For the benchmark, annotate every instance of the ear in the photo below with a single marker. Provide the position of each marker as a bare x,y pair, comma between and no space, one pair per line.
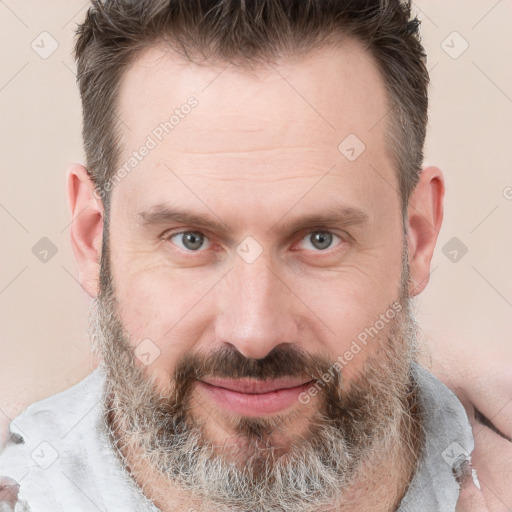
86,226
425,216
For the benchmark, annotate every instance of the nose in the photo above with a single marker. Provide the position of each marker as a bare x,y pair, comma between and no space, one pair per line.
255,309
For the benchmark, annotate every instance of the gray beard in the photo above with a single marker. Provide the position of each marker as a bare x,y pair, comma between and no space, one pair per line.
357,425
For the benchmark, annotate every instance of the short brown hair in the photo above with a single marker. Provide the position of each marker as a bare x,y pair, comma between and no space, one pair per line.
250,31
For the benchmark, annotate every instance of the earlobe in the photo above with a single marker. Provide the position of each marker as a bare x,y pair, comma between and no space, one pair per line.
86,228
425,216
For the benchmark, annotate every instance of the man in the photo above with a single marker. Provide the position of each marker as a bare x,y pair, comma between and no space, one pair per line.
253,223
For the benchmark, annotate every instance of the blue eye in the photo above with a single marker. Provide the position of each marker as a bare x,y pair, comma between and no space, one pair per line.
190,240
320,240
195,241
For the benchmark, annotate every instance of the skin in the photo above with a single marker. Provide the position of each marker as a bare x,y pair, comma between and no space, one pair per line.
480,374
252,154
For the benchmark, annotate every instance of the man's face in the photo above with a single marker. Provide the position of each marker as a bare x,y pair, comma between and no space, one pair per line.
247,249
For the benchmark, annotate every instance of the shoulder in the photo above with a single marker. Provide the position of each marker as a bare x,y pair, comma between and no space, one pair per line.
53,416
62,458
447,446
51,437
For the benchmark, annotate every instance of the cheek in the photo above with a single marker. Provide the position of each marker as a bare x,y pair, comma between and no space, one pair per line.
164,311
354,311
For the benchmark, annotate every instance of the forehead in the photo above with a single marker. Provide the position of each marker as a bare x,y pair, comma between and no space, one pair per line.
291,120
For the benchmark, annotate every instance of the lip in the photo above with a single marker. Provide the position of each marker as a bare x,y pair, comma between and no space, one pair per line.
252,397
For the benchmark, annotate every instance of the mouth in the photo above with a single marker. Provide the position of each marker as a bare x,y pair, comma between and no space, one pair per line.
249,397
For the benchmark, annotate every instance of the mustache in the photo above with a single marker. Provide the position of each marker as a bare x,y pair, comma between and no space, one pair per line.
282,361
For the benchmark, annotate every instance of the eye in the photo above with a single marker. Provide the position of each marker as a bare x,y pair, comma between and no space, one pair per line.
319,240
189,240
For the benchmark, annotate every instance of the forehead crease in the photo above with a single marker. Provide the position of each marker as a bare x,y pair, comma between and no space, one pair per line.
150,83
254,141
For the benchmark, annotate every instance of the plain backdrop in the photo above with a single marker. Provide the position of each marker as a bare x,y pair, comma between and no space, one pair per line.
44,311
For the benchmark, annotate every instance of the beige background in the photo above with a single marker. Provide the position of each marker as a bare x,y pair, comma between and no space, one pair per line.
44,345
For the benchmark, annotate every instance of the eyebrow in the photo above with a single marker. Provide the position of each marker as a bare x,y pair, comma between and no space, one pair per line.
161,214
338,215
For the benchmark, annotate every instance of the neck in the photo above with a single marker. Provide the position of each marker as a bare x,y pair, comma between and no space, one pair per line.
379,484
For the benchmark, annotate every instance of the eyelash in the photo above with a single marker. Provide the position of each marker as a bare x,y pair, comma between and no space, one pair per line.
330,250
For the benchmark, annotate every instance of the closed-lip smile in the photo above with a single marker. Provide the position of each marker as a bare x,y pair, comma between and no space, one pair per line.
252,397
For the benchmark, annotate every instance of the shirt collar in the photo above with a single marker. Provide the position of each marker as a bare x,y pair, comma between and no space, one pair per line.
448,445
